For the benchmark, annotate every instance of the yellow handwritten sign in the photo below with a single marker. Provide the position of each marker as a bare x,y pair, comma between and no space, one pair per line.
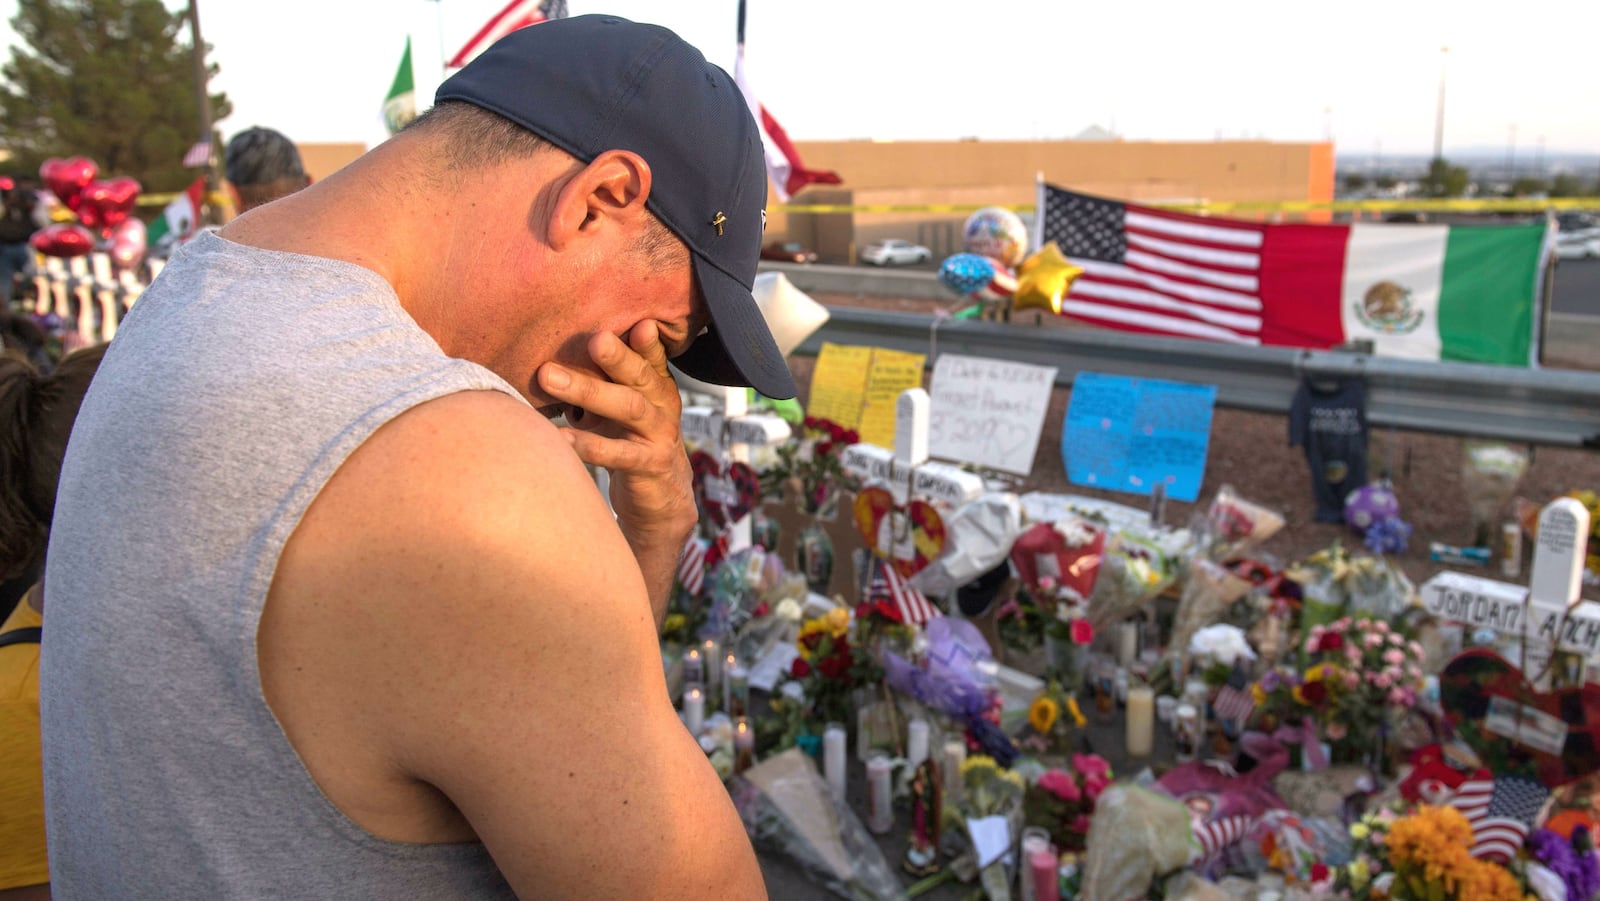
857,387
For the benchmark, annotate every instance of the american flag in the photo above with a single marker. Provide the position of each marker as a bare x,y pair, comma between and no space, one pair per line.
887,584
1233,704
1154,271
1501,825
1215,835
199,156
692,566
517,14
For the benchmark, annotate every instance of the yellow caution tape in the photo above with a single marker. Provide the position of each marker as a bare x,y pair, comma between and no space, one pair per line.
1458,205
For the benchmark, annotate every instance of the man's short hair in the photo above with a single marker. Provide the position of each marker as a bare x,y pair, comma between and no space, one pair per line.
264,165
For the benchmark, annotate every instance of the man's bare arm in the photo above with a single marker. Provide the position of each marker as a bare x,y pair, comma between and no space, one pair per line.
496,646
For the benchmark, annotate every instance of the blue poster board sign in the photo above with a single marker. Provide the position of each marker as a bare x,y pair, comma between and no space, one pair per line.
1127,434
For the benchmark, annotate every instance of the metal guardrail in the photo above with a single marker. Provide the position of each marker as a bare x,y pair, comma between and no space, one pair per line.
1534,406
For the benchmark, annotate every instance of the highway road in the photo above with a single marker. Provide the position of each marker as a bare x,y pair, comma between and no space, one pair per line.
1577,288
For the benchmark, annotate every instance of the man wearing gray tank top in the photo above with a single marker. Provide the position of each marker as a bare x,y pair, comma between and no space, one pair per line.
335,610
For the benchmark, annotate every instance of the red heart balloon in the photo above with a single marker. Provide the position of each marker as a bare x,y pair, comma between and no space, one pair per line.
67,178
64,239
106,204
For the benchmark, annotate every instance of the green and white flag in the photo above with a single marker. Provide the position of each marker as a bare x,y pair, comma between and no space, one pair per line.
181,219
401,106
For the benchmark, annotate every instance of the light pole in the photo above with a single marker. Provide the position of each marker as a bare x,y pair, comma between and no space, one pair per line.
1438,122
1511,156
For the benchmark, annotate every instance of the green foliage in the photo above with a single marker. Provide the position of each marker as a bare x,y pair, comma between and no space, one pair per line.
1528,186
1566,185
104,79
1355,182
1445,180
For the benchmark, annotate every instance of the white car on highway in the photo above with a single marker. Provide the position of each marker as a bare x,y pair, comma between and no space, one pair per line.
895,252
1578,236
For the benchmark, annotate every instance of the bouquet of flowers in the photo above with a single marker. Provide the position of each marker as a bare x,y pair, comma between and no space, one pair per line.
1369,670
1051,718
814,463
1334,583
1062,800
827,672
988,792
1421,857
1231,526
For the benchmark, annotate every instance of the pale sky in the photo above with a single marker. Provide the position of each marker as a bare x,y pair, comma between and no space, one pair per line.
1366,71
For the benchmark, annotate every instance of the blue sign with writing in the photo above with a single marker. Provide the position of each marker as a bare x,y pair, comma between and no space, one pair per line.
1128,434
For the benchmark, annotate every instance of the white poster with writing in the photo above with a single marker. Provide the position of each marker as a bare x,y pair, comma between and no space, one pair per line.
988,412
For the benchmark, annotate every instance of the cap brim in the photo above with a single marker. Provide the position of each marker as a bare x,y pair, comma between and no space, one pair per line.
738,348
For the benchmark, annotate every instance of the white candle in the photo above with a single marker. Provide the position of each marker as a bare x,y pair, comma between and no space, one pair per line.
730,662
1141,715
744,746
880,815
833,751
955,754
694,709
863,732
694,670
916,742
1127,643
712,655
737,694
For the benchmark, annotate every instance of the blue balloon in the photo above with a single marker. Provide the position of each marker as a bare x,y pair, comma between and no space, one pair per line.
966,273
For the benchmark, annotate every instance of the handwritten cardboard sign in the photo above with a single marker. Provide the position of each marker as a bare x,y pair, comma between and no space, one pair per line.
988,412
857,387
1128,434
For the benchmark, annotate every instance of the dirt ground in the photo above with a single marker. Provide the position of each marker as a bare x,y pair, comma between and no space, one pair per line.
1250,451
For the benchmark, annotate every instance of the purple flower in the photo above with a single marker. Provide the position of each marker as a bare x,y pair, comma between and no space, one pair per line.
1580,871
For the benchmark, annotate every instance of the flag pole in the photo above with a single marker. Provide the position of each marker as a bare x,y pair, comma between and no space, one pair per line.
203,96
1038,209
444,61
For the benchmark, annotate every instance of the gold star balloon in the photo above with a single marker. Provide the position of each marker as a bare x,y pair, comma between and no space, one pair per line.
1043,280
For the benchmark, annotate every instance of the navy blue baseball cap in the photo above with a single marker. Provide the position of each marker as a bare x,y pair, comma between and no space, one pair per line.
589,84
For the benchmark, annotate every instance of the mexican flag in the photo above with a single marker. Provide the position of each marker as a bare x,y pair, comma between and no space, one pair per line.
1468,293
181,219
401,105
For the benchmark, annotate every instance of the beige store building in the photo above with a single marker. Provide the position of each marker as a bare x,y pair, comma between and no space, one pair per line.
969,173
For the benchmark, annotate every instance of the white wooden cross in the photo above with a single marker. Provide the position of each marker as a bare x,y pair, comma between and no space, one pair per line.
728,431
1546,615
906,468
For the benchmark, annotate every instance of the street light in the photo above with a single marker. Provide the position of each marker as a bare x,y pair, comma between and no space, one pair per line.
1438,123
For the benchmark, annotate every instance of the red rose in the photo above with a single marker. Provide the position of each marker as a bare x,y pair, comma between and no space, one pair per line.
799,668
811,641
824,448
835,431
1315,693
851,436
1319,872
762,609
863,610
1332,641
811,422
834,666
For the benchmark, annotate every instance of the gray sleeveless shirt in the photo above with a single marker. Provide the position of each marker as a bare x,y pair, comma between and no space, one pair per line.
236,386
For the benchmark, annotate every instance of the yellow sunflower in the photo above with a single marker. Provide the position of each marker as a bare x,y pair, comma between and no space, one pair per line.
1042,714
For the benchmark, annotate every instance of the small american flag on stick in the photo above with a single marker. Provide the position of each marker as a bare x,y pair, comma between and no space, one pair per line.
888,585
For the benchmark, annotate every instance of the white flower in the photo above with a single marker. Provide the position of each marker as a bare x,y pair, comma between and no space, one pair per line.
788,609
1223,643
1545,883
1076,532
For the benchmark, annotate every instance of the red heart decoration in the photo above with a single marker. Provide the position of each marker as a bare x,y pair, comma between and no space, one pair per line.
63,239
923,536
1479,683
106,204
1043,551
727,495
67,178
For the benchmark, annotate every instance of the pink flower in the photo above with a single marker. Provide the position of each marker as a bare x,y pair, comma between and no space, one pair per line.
1413,672
1415,649
1395,638
1061,785
1093,786
1381,626
1373,641
1082,631
1087,765
1352,680
1352,654
1382,680
1336,731
1397,697
1394,657
1080,825
1339,625
1046,583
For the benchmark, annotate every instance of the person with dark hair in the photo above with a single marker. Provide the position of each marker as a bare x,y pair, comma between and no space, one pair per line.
347,616
263,165
36,414
18,199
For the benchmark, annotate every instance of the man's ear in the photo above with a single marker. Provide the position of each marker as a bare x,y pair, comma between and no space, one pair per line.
607,193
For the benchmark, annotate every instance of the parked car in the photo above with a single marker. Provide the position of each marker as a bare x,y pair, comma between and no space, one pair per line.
1578,237
895,252
788,252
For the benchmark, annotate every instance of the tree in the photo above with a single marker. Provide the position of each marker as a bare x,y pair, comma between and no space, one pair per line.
1528,186
1445,180
104,79
1355,182
1566,185
1385,182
